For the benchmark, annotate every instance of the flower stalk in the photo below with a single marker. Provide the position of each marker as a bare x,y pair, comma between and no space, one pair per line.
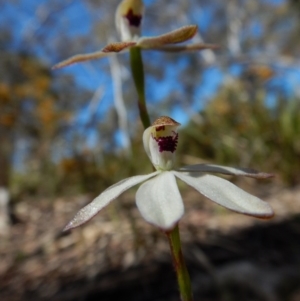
183,278
137,70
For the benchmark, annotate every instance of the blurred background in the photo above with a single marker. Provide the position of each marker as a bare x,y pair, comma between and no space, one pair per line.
66,135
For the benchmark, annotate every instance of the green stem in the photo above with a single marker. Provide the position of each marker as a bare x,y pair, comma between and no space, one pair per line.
182,273
137,69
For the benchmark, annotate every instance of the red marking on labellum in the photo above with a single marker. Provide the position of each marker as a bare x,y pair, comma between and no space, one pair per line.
160,128
134,20
168,143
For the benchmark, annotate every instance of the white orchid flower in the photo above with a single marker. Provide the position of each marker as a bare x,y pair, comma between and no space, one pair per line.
128,21
159,200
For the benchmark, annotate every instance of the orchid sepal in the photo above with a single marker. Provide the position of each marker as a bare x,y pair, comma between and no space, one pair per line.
176,36
227,194
108,50
108,195
235,171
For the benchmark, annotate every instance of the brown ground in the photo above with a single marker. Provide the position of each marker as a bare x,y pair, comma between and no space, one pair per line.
118,256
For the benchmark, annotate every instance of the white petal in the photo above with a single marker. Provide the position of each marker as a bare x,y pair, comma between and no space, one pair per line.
228,195
89,211
226,170
160,202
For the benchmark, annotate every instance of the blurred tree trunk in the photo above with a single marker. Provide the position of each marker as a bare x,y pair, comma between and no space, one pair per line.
6,150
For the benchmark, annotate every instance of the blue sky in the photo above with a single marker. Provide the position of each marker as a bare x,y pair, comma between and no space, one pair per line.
75,21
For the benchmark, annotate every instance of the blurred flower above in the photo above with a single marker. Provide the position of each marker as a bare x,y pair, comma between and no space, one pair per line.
128,19
159,200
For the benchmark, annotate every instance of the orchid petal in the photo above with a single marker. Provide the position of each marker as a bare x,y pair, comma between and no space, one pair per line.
176,36
184,48
227,195
247,172
159,201
106,51
89,211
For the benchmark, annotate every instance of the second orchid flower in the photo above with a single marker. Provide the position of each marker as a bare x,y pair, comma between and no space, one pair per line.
128,20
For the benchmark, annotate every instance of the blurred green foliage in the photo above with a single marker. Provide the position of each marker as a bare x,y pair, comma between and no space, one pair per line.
232,130
83,172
